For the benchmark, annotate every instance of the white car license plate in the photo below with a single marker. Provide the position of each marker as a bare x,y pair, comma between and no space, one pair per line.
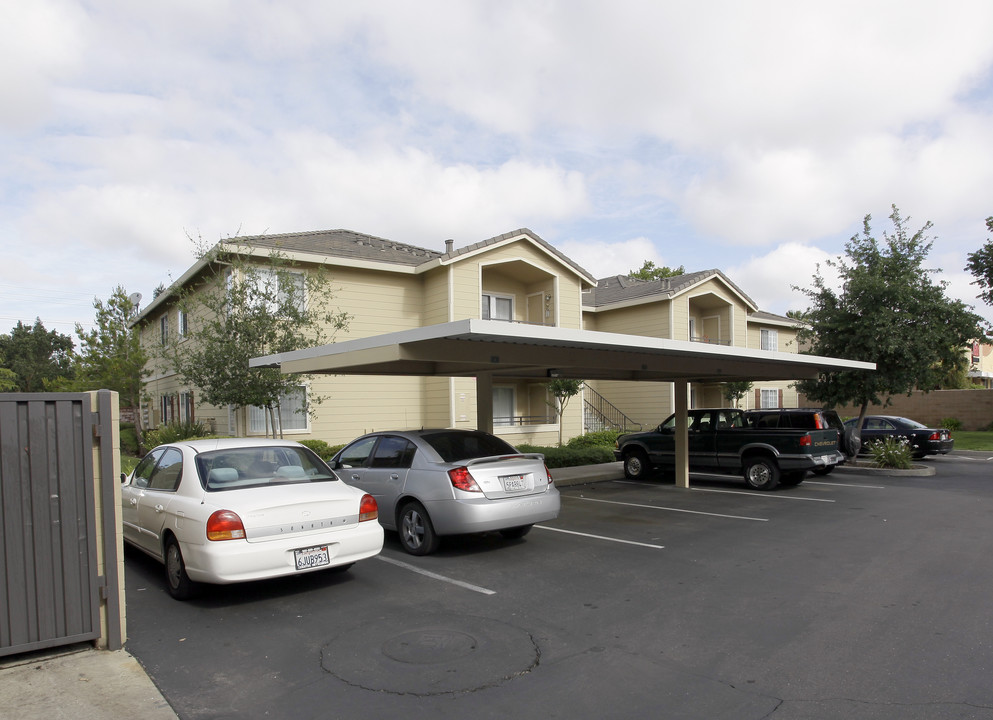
514,482
308,558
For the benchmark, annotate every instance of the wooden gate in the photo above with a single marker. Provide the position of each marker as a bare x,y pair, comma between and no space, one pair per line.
51,585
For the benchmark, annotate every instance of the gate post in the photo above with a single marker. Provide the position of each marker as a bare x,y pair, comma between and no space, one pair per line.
107,491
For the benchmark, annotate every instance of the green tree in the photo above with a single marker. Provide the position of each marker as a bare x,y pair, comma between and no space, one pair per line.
649,271
981,266
248,308
562,390
889,311
111,355
736,390
39,358
8,380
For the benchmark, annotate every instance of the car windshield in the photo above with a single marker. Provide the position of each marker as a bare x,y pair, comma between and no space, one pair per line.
454,446
236,468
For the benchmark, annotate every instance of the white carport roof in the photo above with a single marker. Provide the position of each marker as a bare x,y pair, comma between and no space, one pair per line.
490,349
467,348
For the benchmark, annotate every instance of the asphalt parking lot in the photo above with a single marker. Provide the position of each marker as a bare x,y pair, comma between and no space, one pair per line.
850,596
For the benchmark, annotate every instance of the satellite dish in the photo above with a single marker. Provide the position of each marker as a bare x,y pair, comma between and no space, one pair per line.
134,298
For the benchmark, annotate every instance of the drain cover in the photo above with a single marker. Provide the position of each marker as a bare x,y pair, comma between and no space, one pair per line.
430,655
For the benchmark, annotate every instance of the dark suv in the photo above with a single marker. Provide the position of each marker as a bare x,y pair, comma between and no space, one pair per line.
808,419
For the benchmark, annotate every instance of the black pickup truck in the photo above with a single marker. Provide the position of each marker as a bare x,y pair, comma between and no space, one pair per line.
722,440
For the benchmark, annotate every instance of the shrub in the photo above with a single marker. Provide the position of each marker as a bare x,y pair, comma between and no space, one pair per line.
129,439
891,452
604,438
174,432
325,451
950,423
557,457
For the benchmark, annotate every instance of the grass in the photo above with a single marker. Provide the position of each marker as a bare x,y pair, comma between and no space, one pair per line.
973,439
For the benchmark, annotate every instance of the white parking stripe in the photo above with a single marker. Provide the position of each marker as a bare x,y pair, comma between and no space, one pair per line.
838,484
669,509
436,576
601,537
763,496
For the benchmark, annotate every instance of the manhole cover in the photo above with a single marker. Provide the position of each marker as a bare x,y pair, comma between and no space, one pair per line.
430,655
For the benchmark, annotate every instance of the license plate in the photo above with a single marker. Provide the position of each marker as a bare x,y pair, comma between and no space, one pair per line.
514,482
308,558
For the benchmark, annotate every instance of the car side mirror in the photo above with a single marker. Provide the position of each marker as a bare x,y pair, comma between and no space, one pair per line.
124,478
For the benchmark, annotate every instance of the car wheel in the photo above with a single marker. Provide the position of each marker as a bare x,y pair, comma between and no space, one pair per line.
636,465
827,470
515,533
761,473
178,583
416,531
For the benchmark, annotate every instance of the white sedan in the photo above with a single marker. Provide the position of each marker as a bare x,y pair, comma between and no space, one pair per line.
235,509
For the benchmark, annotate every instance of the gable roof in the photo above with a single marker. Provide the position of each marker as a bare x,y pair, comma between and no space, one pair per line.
625,289
343,244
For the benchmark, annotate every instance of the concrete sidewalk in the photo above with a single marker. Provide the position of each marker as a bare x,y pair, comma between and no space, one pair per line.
76,682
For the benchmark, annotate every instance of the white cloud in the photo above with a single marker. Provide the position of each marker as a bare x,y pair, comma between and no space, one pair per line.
769,279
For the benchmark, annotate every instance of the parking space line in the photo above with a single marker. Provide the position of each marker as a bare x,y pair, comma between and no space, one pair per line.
669,509
436,576
838,484
601,537
763,496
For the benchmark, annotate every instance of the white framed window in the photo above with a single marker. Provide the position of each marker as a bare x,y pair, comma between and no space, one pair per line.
291,414
287,284
769,397
770,339
182,323
164,329
497,307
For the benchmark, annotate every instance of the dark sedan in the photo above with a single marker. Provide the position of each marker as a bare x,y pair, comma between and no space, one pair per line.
923,440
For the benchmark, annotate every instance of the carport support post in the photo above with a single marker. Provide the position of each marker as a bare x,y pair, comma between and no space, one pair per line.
484,402
682,468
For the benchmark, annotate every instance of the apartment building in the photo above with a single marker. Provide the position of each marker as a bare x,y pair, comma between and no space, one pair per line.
517,277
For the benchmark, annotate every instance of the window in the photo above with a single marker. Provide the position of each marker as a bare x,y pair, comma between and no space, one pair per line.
289,286
167,408
168,471
769,397
357,454
182,324
393,452
770,339
291,413
503,406
164,329
497,307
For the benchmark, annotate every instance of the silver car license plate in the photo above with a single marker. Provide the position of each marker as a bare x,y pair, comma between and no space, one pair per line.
307,558
514,482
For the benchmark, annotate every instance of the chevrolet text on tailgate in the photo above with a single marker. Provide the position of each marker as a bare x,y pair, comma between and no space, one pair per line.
722,440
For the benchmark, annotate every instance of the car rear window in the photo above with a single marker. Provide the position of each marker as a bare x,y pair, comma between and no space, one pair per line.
237,468
452,446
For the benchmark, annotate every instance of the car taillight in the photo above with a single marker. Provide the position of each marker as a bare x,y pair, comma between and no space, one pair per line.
462,480
806,441
549,475
225,525
368,508
935,436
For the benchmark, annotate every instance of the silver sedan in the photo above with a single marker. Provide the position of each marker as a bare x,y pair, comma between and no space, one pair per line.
430,483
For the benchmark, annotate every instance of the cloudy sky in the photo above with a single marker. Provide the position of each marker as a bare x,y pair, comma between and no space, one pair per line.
747,136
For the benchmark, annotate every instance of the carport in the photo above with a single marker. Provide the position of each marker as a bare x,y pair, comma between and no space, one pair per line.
494,349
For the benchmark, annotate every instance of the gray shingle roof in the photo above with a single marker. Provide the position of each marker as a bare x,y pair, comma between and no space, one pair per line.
350,244
344,244
621,288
